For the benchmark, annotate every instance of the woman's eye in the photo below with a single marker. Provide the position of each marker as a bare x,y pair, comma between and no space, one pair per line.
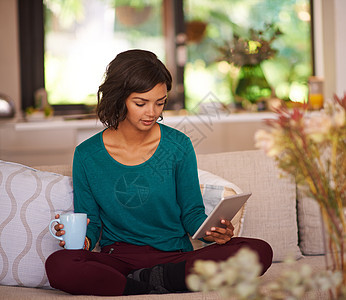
161,103
140,104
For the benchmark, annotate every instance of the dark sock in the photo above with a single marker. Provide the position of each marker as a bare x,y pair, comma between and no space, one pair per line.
170,276
134,287
174,276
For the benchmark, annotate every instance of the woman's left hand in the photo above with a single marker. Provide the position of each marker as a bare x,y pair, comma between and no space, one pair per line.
220,235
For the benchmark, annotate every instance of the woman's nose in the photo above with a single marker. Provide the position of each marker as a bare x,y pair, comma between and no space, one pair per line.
150,110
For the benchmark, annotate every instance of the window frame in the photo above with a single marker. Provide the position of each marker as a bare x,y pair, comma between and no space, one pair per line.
31,41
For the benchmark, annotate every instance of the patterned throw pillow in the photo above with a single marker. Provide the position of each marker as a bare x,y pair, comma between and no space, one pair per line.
213,189
212,194
29,199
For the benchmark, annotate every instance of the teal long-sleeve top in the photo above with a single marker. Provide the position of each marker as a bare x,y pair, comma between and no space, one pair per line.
156,203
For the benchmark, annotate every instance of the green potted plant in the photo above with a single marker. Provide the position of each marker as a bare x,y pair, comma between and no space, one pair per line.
247,53
41,110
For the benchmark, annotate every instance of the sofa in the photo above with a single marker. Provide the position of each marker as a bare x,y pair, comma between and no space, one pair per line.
276,212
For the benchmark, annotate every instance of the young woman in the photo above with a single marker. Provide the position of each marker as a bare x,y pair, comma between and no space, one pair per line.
137,181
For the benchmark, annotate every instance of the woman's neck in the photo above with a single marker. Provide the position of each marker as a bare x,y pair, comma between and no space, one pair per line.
129,136
131,147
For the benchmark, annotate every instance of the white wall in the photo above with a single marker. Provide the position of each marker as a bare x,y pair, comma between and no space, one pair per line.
330,45
53,142
9,51
340,46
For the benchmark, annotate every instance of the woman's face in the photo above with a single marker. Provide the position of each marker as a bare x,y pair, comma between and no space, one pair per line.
143,109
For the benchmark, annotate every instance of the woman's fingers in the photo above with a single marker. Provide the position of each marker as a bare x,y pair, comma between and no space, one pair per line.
228,224
59,232
222,235
219,238
58,227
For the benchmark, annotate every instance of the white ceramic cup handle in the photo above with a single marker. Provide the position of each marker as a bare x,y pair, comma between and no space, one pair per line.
51,232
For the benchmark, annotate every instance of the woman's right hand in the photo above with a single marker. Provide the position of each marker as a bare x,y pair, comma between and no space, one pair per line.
59,232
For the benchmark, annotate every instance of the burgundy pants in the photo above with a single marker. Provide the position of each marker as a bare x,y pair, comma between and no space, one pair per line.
91,273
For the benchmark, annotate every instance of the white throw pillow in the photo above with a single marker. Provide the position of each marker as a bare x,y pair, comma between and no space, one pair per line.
213,189
29,199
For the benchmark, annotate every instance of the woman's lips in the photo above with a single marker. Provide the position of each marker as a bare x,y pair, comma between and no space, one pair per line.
147,122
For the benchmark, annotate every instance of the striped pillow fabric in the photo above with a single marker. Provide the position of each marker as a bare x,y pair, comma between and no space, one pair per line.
29,199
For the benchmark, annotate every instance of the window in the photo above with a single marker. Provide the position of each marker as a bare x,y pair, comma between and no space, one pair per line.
287,72
82,36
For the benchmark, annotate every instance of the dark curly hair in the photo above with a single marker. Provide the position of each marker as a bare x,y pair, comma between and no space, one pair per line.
132,71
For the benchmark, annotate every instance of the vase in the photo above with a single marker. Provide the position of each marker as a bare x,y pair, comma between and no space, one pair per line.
195,31
252,84
335,244
133,16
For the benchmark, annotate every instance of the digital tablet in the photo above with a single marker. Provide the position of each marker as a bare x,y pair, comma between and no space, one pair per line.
226,209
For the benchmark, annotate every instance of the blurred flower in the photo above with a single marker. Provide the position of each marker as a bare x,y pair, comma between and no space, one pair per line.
194,282
317,126
267,142
209,267
311,148
230,279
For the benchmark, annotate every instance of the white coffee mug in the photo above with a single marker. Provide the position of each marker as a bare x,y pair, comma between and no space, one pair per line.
75,226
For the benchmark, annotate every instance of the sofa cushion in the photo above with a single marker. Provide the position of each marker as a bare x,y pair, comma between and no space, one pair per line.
29,199
271,212
310,226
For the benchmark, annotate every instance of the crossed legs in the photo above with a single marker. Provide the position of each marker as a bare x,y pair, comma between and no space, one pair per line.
105,274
